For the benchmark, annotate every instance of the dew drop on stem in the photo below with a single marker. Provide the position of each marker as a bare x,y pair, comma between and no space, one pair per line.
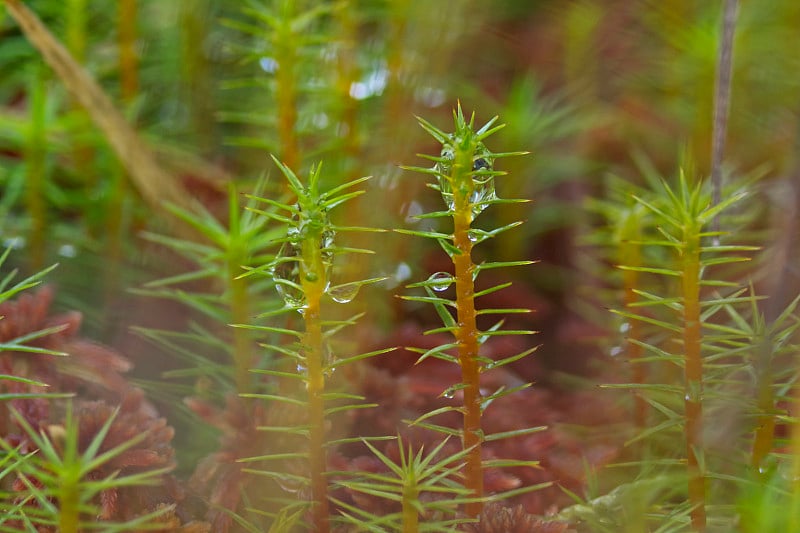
440,281
289,485
344,294
286,275
329,361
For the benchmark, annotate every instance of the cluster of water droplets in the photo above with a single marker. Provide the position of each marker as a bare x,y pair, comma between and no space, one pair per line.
482,185
288,263
618,349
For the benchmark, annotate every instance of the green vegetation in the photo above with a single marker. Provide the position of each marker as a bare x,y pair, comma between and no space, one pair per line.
323,341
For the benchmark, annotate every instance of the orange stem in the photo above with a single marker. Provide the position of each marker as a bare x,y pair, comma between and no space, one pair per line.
467,332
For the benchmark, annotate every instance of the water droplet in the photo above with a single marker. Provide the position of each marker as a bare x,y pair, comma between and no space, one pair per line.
615,351
372,85
414,209
402,272
327,242
301,368
481,164
624,327
268,64
320,121
289,485
15,243
67,250
449,394
473,236
482,193
344,294
440,281
286,275
430,96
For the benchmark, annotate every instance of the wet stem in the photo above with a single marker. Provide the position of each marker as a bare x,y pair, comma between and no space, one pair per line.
467,332
693,375
313,348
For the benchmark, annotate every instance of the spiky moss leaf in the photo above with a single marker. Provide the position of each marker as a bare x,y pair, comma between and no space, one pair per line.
516,433
492,289
7,290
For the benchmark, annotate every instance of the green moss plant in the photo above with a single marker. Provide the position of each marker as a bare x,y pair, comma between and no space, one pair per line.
62,488
465,174
620,241
302,272
57,483
768,347
222,256
682,214
289,37
424,486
